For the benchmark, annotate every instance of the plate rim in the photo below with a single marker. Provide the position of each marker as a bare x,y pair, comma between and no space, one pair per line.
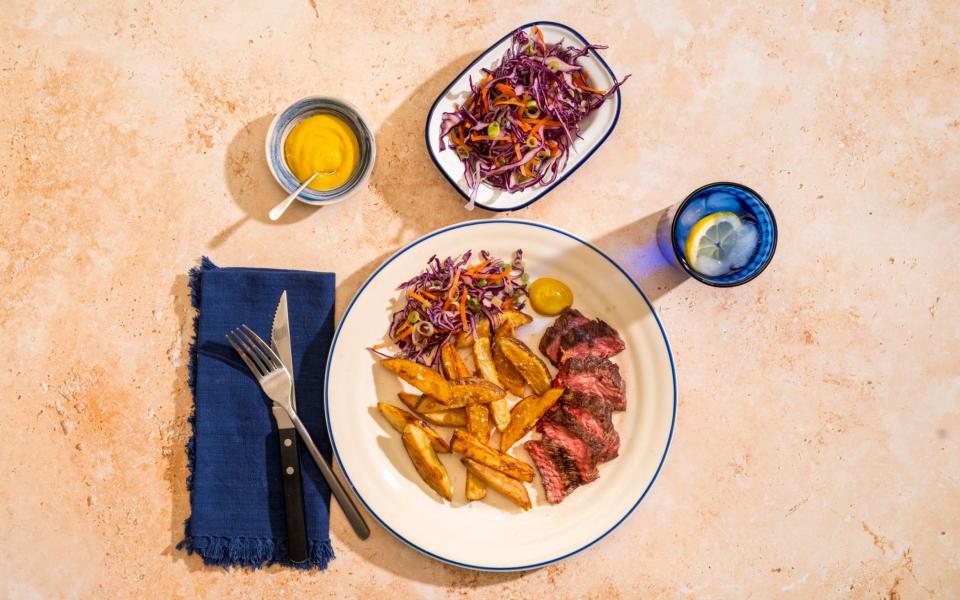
416,242
549,188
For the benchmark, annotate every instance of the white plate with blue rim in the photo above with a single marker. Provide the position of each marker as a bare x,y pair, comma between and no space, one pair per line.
493,534
597,127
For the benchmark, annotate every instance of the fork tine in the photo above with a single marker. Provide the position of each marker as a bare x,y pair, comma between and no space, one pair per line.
252,352
243,355
265,350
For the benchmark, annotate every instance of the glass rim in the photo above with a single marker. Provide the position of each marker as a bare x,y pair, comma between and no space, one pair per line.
682,259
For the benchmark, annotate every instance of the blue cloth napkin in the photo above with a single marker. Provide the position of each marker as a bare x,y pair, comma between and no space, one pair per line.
236,500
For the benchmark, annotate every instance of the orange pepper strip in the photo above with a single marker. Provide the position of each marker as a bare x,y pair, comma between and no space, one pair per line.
419,298
463,308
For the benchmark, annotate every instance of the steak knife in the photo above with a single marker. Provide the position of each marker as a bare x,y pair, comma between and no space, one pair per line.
289,446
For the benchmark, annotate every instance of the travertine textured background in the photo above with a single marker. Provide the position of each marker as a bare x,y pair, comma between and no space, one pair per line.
818,445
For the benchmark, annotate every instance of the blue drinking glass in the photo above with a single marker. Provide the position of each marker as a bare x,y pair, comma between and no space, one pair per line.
753,213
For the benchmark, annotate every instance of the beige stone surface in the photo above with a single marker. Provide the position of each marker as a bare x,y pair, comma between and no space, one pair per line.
817,451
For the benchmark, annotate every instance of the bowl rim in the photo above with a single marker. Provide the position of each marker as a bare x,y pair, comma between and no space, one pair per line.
681,259
319,100
543,192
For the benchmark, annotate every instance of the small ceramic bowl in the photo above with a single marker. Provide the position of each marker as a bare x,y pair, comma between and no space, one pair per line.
288,118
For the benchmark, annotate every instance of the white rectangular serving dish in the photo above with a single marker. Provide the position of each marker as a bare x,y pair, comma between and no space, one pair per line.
596,128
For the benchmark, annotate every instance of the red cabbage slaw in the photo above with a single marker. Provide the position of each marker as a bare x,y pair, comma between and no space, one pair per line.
448,298
516,128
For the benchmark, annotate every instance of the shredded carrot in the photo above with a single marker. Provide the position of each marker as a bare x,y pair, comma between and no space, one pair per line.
419,298
483,92
505,89
587,88
506,305
475,269
580,82
526,172
499,276
453,288
516,149
513,102
380,345
403,335
427,294
542,123
481,138
524,125
539,34
463,309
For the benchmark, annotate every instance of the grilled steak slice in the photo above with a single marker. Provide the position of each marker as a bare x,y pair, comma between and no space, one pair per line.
550,342
577,449
592,375
558,473
603,441
599,408
593,338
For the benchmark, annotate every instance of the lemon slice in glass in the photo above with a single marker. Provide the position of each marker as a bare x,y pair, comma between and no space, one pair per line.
711,241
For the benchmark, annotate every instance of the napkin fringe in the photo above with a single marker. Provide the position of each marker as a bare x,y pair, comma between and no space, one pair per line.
195,295
254,552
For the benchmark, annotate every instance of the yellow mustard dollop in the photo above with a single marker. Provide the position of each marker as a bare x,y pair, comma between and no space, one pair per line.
322,143
550,296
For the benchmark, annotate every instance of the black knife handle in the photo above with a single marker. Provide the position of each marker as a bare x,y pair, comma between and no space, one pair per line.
293,496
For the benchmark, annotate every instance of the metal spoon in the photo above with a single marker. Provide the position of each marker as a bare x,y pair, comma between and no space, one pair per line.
277,211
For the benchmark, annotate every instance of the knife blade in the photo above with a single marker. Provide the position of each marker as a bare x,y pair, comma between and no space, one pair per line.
289,446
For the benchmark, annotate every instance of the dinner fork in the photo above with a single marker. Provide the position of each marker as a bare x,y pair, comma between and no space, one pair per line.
276,383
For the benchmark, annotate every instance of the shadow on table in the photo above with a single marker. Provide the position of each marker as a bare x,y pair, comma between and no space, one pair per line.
250,183
405,175
634,247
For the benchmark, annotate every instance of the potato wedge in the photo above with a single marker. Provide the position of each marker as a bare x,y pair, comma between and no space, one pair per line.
526,414
511,488
425,460
466,444
399,418
469,390
478,424
421,377
515,318
510,378
527,363
453,365
482,353
500,411
478,421
464,339
452,417
409,400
